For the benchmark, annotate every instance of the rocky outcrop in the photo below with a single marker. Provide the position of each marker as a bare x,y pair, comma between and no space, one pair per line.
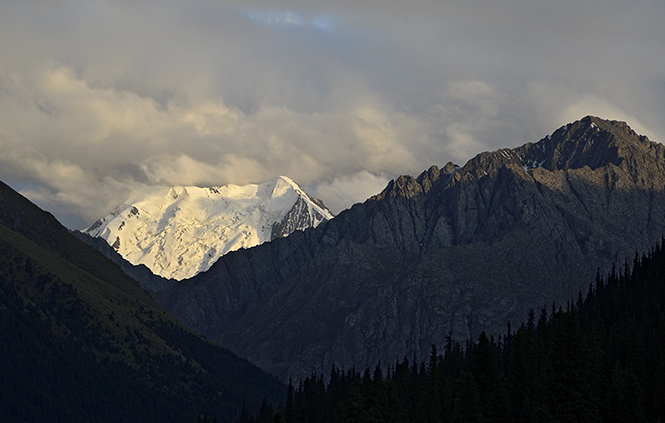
298,218
455,250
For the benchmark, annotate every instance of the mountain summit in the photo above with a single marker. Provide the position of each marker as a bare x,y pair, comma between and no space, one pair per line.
178,232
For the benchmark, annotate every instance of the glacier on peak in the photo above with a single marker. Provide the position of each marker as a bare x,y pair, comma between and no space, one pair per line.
180,231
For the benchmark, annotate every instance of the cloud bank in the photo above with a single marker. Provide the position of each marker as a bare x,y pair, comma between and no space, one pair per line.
100,99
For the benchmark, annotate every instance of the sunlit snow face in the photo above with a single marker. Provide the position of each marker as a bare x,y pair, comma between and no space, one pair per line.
180,231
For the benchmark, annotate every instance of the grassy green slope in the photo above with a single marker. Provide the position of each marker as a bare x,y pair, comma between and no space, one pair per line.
83,341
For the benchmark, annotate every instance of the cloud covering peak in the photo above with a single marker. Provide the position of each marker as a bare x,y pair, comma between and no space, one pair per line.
98,99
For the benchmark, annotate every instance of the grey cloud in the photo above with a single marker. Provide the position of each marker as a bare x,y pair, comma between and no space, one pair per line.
97,98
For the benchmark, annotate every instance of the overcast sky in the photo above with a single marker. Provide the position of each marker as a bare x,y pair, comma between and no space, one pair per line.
101,98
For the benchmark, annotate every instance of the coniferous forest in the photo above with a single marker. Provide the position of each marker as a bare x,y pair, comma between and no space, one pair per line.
600,358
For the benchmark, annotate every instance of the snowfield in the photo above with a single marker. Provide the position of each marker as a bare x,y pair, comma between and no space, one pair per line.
180,231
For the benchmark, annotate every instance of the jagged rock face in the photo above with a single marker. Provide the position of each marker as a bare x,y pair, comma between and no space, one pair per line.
455,250
178,232
299,217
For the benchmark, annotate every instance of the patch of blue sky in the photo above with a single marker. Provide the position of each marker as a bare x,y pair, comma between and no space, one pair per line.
291,19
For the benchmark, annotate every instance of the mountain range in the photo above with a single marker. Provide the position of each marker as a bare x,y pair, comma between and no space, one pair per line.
456,250
180,231
453,252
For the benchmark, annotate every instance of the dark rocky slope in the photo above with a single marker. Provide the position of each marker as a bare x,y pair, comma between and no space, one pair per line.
457,250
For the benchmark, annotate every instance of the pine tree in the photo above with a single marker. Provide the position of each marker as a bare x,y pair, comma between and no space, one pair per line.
466,407
432,395
569,389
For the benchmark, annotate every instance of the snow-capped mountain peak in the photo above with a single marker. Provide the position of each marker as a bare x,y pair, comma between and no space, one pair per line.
180,231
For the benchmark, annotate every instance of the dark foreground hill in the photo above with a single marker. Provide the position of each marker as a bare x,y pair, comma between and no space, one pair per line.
455,250
81,341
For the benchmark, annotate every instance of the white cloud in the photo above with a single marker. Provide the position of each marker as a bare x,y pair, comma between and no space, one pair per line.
169,170
97,98
569,105
596,106
65,188
342,192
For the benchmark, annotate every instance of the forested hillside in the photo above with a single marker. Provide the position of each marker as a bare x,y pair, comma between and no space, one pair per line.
599,358
80,341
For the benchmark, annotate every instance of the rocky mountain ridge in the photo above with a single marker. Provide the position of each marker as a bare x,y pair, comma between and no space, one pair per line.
455,250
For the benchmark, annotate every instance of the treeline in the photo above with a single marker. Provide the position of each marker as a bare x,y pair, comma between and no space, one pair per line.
599,358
